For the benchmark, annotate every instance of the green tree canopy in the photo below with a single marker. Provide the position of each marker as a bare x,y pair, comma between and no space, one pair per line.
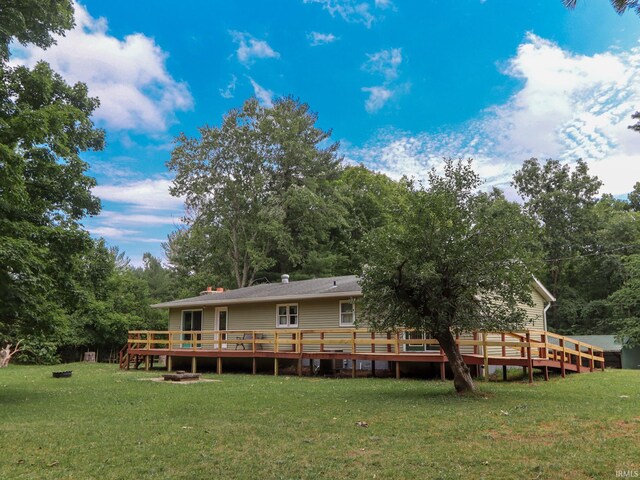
620,6
451,259
44,126
258,189
561,200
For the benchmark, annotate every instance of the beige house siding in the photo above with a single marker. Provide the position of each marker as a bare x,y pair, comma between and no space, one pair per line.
536,322
320,314
312,314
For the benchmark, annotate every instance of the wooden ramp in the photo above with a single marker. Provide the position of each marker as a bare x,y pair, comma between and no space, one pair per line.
529,349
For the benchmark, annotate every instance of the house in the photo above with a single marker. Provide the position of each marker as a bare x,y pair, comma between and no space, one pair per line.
321,303
616,355
307,321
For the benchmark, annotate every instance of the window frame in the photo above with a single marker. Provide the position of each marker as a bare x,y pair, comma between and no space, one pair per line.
288,307
419,348
353,313
185,335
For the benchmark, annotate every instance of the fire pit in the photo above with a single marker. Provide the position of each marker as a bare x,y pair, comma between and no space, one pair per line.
181,376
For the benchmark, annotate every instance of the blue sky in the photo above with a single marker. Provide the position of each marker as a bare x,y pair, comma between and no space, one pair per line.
401,83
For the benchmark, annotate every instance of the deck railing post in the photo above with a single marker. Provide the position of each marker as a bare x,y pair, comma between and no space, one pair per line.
578,357
373,343
562,359
398,343
504,347
253,341
388,342
475,345
485,355
529,359
322,341
353,342
590,351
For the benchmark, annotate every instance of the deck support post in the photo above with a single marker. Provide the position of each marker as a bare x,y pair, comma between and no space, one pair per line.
353,367
300,366
442,371
275,366
578,358
169,363
590,359
373,368
562,359
253,366
546,373
529,359
194,364
397,370
219,366
146,363
504,373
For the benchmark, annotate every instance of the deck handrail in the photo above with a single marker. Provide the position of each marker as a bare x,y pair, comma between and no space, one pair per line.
535,343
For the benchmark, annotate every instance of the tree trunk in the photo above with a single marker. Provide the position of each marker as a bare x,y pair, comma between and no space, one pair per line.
461,375
6,353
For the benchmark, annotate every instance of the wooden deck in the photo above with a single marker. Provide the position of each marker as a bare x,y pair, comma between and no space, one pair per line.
528,349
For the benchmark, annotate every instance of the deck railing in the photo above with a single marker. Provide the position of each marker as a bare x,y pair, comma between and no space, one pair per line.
530,344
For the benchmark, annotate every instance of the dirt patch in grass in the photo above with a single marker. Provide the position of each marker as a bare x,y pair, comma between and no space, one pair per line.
187,382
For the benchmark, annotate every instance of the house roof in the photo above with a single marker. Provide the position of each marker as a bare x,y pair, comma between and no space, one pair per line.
540,288
329,287
606,342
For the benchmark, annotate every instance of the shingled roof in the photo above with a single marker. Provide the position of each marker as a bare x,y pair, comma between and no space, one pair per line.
329,287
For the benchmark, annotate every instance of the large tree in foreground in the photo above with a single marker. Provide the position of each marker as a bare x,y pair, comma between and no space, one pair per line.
45,124
452,260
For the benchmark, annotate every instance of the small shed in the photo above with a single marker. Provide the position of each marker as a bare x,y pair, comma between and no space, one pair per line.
616,355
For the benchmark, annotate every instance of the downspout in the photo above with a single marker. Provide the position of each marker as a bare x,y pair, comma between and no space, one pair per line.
544,316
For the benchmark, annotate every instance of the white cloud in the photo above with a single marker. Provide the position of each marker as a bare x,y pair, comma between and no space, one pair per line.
129,76
317,38
109,217
569,107
229,90
349,10
149,194
384,4
264,96
385,62
250,48
378,96
112,232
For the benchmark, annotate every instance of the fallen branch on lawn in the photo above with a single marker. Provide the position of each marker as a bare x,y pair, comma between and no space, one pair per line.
6,353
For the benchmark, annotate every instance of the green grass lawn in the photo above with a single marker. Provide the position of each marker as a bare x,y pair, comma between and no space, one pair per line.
105,423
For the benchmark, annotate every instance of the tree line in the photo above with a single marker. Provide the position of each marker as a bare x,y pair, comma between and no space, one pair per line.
268,193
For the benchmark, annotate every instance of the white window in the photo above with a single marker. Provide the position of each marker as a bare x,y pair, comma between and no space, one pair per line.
287,315
347,313
419,347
